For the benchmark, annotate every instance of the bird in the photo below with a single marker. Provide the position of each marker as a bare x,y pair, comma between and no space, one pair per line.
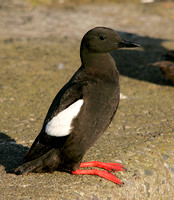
169,56
166,66
81,112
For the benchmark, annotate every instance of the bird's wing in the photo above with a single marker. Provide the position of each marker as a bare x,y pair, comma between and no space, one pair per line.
63,109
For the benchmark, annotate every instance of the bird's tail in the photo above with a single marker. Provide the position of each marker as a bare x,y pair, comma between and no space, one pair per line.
48,162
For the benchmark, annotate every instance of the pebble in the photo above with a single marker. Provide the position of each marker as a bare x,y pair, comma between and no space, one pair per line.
118,161
148,172
60,66
122,96
165,156
171,169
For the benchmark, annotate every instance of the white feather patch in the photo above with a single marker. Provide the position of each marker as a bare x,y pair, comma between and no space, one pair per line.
60,125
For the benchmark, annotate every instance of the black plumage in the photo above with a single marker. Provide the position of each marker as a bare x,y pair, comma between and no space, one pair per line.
96,82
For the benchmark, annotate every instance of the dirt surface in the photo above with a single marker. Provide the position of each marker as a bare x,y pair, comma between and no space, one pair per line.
39,52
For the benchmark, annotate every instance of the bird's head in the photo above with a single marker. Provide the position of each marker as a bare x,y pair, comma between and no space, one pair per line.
104,40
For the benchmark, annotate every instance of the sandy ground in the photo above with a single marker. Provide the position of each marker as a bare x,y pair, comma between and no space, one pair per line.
39,52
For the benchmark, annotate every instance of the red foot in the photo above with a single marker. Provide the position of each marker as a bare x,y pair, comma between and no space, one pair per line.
108,166
103,174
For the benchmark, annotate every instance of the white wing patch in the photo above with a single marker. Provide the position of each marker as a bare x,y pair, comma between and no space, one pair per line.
60,125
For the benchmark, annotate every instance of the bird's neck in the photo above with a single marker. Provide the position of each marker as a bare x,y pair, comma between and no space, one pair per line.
99,64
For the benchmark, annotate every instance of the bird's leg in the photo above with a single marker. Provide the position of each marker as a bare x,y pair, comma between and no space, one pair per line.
104,174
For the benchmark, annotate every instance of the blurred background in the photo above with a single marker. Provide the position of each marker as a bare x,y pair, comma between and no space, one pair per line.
39,52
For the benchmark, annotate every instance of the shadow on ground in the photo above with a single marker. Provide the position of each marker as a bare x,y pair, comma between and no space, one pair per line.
136,63
11,154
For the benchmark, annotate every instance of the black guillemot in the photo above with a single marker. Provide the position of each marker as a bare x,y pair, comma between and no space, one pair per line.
81,112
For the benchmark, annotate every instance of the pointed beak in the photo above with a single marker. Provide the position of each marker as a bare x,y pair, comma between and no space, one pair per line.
127,44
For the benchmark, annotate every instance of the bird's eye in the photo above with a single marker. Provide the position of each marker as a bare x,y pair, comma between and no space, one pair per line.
102,37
